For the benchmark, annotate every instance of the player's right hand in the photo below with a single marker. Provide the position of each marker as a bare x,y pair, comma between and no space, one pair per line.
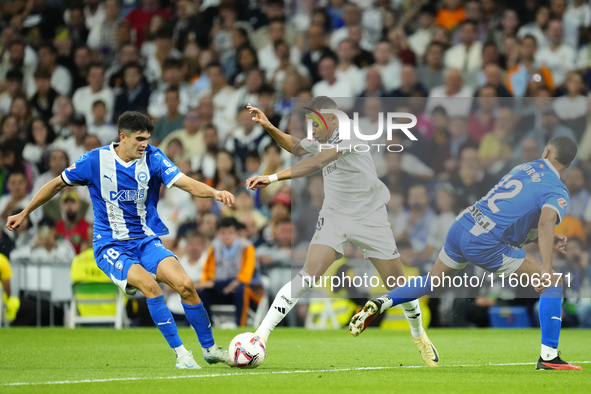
258,116
226,197
257,182
13,222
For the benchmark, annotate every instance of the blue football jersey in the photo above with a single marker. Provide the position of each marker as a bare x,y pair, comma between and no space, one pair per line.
511,210
124,195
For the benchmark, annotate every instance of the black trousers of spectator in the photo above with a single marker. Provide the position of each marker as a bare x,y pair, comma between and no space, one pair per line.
243,297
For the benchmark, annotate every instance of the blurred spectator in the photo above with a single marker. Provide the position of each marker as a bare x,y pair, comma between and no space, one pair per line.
578,205
82,62
61,79
58,162
536,28
192,260
576,305
451,14
373,84
85,97
572,108
14,88
420,218
467,55
172,76
496,146
17,197
471,181
47,249
139,18
527,69
16,62
363,57
37,148
191,136
267,55
104,130
43,100
420,39
280,210
576,18
247,137
558,56
9,130
74,146
395,176
482,120
549,127
430,73
453,87
317,51
445,201
276,258
409,84
220,93
244,208
351,17
77,25
134,93
229,272
272,164
457,140
225,172
103,35
172,121
388,65
61,120
72,225
307,214
163,49
127,54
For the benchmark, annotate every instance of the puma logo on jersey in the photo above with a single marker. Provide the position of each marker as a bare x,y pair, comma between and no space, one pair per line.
127,195
109,177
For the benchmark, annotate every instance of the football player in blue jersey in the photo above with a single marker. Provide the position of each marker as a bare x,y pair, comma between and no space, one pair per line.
523,207
124,181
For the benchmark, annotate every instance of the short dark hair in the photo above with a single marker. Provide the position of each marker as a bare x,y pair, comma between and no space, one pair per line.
322,102
227,222
164,32
135,65
566,149
14,75
134,122
171,62
97,103
48,46
173,89
42,73
273,145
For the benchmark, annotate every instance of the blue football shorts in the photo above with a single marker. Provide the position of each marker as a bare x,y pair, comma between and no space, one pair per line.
115,258
484,251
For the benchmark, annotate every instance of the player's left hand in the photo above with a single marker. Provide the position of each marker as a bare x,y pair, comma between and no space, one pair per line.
257,182
560,243
226,197
546,280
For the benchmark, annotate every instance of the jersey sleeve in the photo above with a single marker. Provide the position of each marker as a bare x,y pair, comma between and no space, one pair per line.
309,146
164,169
79,173
556,199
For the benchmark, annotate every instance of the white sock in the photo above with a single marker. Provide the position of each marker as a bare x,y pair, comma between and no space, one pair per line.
548,353
284,301
180,351
387,302
412,312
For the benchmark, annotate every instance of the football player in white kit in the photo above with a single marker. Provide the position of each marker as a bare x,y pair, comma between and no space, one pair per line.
354,209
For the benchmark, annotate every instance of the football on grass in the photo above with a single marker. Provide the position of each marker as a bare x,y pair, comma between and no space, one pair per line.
248,350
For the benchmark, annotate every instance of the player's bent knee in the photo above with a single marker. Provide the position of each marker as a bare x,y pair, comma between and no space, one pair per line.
150,288
185,288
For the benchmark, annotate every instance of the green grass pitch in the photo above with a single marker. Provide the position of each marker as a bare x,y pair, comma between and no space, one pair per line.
298,360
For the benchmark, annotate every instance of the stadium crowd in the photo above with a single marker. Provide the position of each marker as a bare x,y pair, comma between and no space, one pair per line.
519,73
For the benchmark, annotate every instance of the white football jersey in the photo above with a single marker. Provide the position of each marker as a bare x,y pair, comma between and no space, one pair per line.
351,185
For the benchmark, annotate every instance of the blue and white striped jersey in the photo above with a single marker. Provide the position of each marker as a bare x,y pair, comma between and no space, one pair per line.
510,212
124,195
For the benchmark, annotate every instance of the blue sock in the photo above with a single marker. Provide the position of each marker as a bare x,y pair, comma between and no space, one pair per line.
197,316
550,315
413,289
164,321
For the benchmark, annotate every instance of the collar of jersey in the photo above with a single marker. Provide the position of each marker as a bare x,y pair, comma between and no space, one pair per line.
552,167
119,160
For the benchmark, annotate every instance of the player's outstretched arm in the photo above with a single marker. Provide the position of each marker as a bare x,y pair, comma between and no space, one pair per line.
304,168
286,141
45,194
201,190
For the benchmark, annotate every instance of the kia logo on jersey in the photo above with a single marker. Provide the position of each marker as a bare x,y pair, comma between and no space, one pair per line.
127,195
